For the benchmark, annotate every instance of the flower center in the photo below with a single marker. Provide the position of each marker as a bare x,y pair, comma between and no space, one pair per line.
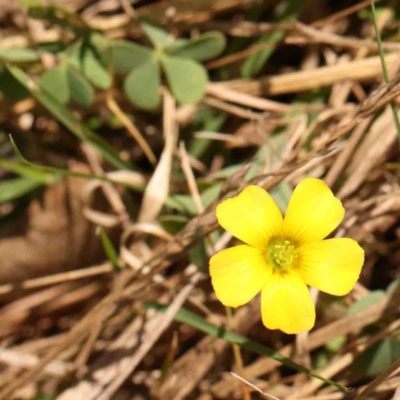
282,254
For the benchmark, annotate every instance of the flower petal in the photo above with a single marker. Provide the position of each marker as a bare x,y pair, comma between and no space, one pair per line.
313,212
238,274
332,265
252,216
286,303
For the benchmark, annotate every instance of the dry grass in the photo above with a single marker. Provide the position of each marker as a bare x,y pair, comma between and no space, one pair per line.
73,328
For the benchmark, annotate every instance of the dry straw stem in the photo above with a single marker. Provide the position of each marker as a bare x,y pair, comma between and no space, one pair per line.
108,379
343,13
20,359
188,11
190,178
237,356
83,356
247,100
365,70
377,142
312,35
375,101
100,312
344,157
131,128
397,393
110,192
303,35
233,110
268,396
20,308
58,278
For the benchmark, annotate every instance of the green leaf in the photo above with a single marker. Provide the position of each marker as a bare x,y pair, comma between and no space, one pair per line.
19,55
334,345
11,88
198,256
157,36
93,68
142,85
100,42
321,360
204,47
181,202
67,118
186,78
209,195
186,317
206,119
366,301
15,188
73,56
281,193
377,358
185,203
109,248
125,56
81,90
52,47
55,81
173,223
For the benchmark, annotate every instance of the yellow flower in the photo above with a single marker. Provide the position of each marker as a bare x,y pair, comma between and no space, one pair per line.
281,257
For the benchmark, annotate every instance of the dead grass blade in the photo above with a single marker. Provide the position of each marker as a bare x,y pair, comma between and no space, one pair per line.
157,189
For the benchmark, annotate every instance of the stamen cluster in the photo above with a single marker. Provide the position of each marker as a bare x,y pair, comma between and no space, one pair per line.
282,254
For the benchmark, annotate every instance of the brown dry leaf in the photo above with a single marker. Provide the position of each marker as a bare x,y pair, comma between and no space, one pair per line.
54,235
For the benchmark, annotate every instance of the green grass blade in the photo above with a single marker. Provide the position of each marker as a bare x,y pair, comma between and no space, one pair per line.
186,317
27,171
109,248
15,188
67,118
253,65
48,175
384,69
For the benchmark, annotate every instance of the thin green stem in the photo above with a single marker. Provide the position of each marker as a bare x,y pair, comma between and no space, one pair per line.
196,321
384,69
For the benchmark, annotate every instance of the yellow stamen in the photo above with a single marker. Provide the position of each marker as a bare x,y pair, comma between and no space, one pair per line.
282,254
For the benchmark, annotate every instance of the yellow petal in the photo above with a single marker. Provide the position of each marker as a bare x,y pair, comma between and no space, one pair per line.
313,212
332,265
238,274
286,303
252,216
